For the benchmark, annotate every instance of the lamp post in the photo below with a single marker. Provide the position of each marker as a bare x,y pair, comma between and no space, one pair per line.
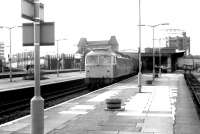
139,51
58,56
3,64
159,53
159,57
153,28
10,57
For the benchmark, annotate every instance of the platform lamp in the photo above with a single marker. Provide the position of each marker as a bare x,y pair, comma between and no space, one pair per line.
160,57
58,55
153,28
10,55
139,50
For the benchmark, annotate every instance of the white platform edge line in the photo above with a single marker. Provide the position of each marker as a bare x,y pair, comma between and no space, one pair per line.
11,122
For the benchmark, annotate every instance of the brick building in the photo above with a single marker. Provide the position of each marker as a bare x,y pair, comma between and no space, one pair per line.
180,43
85,46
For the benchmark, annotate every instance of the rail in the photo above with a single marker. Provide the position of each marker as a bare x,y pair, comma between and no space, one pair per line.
194,86
54,94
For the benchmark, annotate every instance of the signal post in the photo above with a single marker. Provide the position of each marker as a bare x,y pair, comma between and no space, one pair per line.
37,102
34,35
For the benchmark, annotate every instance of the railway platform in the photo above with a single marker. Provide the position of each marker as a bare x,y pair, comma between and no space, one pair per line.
163,107
19,83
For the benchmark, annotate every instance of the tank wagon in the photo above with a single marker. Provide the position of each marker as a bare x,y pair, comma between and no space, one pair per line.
103,66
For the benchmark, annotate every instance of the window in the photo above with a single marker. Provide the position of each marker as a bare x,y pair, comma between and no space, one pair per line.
92,60
104,59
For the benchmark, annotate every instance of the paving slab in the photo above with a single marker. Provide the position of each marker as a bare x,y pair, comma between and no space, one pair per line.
163,107
187,120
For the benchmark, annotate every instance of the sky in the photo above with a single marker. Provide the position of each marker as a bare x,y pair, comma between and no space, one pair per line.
100,19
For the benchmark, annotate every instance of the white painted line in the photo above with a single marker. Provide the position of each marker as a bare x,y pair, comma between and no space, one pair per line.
63,103
14,121
83,107
104,96
73,112
27,116
15,127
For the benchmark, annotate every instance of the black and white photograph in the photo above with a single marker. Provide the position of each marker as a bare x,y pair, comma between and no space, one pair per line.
99,67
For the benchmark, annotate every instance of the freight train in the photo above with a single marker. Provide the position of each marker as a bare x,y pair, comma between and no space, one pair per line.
104,66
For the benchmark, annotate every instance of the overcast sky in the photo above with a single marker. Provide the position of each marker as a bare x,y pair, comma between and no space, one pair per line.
100,19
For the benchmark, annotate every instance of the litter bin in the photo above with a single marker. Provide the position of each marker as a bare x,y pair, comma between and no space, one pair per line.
113,103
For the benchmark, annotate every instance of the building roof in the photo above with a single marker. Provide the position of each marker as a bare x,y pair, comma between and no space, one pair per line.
84,46
103,42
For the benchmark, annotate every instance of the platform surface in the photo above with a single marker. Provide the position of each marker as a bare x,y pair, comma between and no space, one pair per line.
18,82
165,107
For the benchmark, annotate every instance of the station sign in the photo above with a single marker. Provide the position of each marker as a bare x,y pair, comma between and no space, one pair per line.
78,56
45,35
28,10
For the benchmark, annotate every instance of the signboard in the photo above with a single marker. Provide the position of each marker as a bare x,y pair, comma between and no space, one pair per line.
27,7
78,56
45,37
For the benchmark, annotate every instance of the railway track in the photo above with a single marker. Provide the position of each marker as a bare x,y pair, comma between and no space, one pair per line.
194,86
16,109
13,106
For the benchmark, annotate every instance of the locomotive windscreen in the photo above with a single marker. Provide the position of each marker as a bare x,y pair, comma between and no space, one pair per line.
92,60
104,60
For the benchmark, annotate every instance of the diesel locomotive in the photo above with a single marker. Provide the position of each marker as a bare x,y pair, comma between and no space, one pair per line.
104,66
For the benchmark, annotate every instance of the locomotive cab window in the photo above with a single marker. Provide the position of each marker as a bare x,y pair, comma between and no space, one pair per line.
104,60
114,59
92,60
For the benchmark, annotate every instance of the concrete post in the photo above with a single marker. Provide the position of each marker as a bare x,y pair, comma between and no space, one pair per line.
10,57
140,60
169,64
160,57
153,56
37,102
57,60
